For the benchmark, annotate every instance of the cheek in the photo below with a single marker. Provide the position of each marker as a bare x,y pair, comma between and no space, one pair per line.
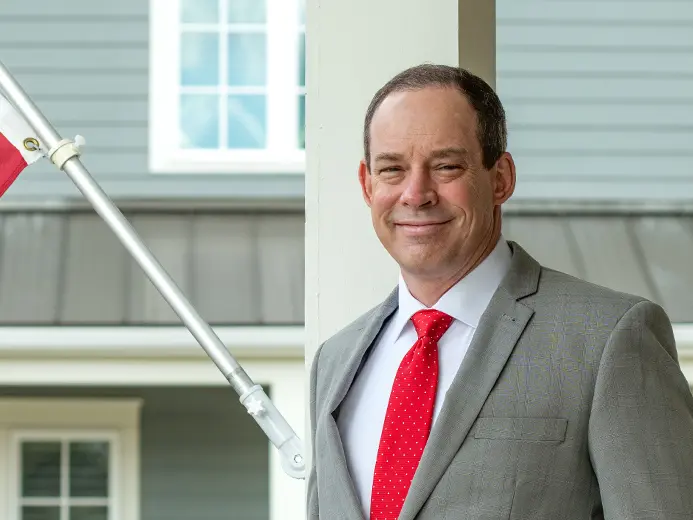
383,200
470,197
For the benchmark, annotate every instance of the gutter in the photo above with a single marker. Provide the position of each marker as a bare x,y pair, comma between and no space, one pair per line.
147,342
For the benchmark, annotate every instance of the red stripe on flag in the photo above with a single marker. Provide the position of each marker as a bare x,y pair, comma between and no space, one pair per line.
11,164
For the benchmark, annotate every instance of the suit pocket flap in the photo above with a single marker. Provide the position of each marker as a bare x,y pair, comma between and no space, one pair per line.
521,428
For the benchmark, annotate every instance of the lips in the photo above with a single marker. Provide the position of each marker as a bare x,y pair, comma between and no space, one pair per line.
420,228
419,224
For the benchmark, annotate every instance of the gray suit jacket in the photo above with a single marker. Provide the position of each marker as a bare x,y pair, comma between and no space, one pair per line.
570,404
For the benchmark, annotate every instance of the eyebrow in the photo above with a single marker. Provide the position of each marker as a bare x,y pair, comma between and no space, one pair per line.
386,156
437,154
449,152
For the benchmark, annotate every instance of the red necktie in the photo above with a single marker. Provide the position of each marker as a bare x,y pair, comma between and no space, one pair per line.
408,418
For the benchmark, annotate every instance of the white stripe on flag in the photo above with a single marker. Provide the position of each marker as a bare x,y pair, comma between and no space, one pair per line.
16,130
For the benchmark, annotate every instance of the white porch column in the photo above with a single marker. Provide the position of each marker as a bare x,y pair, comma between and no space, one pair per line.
352,49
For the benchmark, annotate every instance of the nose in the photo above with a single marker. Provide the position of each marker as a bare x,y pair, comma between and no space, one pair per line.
419,189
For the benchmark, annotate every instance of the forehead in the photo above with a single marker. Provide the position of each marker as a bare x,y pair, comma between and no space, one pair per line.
416,121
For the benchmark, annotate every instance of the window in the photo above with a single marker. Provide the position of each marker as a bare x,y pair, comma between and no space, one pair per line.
69,459
66,476
227,86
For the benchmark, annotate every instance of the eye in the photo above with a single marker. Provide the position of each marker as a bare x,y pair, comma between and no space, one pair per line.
390,169
450,167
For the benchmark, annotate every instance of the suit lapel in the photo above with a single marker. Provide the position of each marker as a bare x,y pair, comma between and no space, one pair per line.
494,340
354,356
343,486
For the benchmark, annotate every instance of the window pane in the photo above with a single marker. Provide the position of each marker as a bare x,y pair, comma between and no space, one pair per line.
247,121
40,469
302,59
302,122
247,11
247,59
200,11
40,513
88,513
89,469
199,120
199,58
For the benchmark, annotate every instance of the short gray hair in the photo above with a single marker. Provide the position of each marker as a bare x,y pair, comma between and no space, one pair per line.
492,126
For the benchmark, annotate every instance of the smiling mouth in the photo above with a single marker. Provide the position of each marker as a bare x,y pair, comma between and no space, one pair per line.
423,223
420,228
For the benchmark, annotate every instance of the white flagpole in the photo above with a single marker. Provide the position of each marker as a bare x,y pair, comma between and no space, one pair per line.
64,153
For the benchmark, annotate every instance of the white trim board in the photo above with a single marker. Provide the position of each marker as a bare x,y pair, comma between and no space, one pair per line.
261,342
127,342
684,344
684,337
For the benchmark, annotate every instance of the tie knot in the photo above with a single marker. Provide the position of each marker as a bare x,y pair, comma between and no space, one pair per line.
431,323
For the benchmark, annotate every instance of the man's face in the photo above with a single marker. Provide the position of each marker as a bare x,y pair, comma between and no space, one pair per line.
433,204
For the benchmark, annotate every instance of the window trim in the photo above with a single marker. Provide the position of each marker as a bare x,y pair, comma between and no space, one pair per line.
282,102
62,436
118,420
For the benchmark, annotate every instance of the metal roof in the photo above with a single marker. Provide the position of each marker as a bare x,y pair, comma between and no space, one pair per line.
247,268
647,255
68,268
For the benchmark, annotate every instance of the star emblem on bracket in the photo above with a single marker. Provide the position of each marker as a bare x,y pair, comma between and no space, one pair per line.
255,407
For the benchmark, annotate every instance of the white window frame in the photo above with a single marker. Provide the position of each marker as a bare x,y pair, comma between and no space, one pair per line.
64,436
115,420
282,154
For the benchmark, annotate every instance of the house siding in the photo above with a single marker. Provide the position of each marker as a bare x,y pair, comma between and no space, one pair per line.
598,97
202,457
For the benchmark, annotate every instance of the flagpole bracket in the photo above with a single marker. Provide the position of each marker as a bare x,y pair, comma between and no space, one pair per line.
277,430
65,150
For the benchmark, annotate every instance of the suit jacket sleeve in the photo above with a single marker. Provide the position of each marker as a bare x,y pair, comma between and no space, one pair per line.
312,509
641,423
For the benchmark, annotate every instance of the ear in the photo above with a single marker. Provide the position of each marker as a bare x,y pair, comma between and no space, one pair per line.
366,181
503,179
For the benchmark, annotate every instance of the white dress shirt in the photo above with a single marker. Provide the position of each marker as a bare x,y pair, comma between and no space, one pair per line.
363,411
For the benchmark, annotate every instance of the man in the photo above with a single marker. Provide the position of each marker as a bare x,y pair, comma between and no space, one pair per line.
485,386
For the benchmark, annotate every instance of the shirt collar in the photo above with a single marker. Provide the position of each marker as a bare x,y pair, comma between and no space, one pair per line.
465,301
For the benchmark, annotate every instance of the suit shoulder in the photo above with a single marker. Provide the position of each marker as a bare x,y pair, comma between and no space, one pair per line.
589,315
564,297
555,283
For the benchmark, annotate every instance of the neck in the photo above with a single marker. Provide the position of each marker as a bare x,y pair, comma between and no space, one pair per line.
429,289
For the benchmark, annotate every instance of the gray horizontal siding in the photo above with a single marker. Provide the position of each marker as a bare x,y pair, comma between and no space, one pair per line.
598,93
86,65
49,11
202,457
248,268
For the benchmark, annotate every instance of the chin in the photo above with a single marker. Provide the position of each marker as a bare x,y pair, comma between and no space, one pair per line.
420,262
